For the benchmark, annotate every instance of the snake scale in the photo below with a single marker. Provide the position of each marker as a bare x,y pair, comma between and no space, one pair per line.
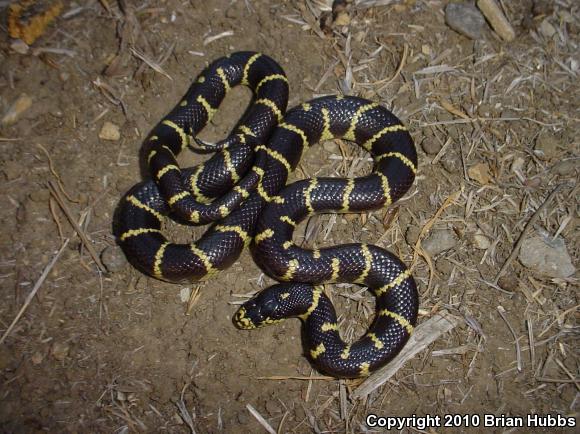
242,189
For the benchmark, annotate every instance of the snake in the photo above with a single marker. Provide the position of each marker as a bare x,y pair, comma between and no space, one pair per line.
211,191
305,270
241,191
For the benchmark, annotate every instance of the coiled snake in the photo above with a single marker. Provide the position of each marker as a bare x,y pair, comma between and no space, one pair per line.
268,216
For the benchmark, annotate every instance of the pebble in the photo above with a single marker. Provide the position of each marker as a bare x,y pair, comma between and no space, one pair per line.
60,351
546,255
23,103
113,258
567,167
480,173
39,195
110,131
480,240
546,145
439,241
431,147
465,19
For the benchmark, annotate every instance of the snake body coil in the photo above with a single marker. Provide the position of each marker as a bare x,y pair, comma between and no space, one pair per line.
250,168
227,176
389,143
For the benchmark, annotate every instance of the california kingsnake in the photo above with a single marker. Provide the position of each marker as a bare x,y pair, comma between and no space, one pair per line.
269,219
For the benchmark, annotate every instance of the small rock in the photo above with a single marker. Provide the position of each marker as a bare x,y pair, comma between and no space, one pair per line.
566,167
439,241
23,103
451,163
546,145
110,131
60,351
113,258
19,46
480,173
508,282
547,29
431,147
37,358
412,235
546,255
480,240
465,19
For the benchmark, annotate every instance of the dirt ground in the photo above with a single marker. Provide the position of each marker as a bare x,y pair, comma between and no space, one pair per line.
496,125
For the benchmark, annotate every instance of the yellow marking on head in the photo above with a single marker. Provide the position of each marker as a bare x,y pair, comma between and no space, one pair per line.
268,233
194,217
237,229
292,266
368,145
201,79
166,169
242,321
224,79
316,294
224,211
195,189
247,68
136,202
316,253
204,260
288,220
272,105
335,269
364,369
153,138
135,232
284,295
386,188
317,351
349,135
346,194
328,326
368,263
229,166
180,132
246,130
151,155
400,319
307,194
306,107
270,78
276,156
326,134
183,103
296,130
345,353
158,260
395,282
401,157
242,191
287,244
210,111
178,197
376,341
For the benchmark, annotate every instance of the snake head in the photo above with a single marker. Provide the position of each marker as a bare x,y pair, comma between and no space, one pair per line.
273,305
